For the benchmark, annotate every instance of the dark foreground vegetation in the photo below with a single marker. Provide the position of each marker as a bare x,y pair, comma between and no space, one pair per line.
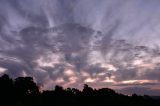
23,91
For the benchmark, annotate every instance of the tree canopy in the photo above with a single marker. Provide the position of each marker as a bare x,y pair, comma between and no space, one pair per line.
23,91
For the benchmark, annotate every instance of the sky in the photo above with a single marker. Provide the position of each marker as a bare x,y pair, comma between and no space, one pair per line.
102,43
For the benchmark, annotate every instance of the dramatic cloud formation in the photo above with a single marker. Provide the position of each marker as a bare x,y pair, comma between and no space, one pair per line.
104,43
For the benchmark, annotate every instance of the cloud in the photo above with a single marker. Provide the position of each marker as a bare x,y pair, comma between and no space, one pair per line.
137,83
139,91
72,42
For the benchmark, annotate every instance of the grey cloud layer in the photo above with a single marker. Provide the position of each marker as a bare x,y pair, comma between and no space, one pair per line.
71,42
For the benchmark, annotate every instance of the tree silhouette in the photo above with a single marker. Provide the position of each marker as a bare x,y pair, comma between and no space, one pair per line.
88,91
25,86
23,91
6,89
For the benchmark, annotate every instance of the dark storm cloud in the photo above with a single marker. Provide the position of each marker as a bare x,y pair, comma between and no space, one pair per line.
71,42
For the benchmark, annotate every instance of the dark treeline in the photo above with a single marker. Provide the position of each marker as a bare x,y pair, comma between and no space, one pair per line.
23,91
